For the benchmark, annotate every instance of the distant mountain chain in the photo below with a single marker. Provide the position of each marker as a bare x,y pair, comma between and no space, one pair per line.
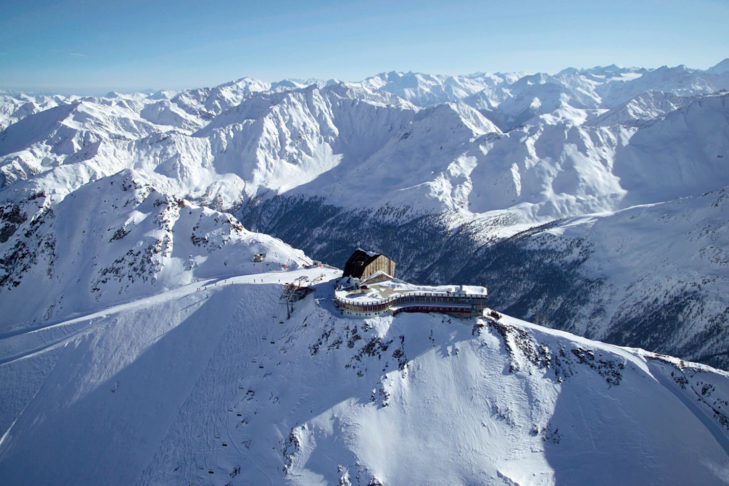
145,241
579,177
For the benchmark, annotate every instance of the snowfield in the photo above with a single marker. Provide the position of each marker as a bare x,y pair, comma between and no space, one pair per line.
212,384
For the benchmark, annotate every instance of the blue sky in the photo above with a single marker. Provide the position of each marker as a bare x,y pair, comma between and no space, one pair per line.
88,47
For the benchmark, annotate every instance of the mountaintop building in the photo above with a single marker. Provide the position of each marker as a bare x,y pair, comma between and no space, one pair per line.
389,296
364,263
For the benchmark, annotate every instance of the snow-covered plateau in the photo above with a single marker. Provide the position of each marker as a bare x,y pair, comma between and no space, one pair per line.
145,238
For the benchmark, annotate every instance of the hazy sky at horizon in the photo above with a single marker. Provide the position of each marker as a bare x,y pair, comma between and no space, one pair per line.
86,46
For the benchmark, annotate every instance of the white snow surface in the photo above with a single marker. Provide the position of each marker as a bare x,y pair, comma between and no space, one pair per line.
651,254
210,383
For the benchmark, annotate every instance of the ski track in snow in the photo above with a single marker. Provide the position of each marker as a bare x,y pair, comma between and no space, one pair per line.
79,325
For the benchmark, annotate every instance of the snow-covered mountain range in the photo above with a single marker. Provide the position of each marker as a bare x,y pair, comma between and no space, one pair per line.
593,201
400,159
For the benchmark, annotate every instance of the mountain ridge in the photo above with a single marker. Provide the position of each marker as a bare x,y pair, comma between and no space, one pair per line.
365,399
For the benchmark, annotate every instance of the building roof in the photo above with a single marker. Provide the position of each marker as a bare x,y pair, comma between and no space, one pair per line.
378,276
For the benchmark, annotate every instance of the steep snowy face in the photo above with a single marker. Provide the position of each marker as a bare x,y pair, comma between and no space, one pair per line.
278,141
678,80
14,108
682,154
548,171
206,103
213,383
419,160
614,162
72,143
268,142
113,240
560,164
642,110
598,87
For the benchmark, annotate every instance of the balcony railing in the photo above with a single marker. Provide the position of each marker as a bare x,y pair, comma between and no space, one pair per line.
423,301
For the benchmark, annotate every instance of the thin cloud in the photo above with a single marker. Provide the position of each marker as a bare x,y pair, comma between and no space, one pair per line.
77,54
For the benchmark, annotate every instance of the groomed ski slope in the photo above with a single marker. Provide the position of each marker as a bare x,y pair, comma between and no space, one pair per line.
211,384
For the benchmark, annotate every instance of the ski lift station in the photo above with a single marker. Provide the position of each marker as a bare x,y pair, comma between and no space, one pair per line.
367,288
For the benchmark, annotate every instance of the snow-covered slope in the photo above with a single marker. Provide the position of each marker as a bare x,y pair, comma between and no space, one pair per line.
642,110
114,240
564,153
598,87
427,89
15,107
682,154
210,383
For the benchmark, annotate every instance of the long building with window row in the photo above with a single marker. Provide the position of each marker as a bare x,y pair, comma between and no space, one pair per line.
394,296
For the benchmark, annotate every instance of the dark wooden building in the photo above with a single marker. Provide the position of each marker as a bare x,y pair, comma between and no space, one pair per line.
364,263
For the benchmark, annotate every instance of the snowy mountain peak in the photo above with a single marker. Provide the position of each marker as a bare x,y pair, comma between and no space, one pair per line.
140,241
245,84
